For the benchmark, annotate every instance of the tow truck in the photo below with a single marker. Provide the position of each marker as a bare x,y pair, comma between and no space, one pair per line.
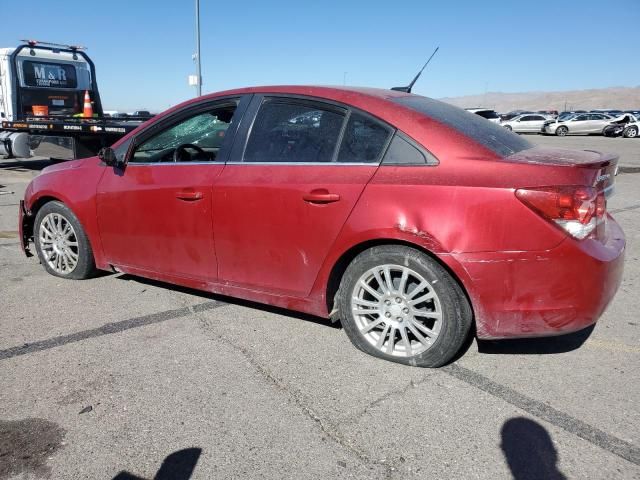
42,90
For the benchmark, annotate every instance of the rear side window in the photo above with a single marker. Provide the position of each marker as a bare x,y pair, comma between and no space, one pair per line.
363,141
489,134
403,151
49,75
287,131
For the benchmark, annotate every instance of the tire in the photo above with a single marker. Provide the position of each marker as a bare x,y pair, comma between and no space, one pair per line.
442,307
562,131
508,127
631,132
61,243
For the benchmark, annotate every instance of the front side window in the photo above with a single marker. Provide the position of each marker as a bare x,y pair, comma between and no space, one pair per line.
196,138
288,131
363,141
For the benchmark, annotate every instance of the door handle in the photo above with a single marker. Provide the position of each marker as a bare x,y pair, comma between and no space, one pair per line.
189,195
320,195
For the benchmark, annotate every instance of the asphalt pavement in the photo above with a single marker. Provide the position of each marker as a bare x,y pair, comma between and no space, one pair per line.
119,377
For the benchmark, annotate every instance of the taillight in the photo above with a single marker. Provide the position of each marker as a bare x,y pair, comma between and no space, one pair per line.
576,209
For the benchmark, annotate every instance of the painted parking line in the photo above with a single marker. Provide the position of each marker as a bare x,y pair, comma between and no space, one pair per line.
535,408
545,412
109,329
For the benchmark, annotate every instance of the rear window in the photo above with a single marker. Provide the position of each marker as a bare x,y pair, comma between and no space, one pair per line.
491,135
49,75
487,114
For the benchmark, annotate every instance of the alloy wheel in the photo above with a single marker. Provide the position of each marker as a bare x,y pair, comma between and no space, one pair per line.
58,243
396,310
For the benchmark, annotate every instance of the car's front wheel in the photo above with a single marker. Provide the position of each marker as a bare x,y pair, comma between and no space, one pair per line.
61,243
562,131
399,304
631,132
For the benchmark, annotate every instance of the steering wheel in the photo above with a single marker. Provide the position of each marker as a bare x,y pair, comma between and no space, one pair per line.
180,150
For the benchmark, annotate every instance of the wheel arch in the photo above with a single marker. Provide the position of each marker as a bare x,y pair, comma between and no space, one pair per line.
29,220
340,266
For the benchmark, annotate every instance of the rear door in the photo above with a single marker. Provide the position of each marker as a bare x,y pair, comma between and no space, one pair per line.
291,183
534,123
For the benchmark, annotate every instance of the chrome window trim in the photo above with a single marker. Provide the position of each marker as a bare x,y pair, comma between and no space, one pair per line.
307,164
131,164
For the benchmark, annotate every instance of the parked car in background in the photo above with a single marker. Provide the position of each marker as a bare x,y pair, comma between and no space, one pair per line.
553,113
513,114
527,123
577,124
142,114
398,215
487,113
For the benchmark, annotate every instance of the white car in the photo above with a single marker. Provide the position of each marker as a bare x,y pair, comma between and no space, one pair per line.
527,123
487,113
577,124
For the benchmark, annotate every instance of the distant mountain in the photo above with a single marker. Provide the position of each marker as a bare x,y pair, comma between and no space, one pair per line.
623,98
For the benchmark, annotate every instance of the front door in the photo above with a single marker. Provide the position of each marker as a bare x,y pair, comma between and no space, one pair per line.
283,199
155,215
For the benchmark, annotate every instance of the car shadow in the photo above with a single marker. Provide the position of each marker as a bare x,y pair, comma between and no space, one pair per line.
529,450
536,346
177,466
232,300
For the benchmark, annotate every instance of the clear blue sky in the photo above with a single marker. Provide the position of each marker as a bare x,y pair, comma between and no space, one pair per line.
142,48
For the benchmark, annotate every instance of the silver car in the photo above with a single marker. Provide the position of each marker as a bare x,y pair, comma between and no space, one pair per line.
527,123
578,124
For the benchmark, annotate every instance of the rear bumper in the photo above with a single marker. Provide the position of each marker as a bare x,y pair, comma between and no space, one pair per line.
537,294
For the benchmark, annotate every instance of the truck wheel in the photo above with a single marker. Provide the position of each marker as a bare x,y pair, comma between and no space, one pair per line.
62,245
562,131
399,304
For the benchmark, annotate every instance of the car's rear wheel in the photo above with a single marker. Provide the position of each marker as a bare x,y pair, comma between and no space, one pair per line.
562,131
399,304
62,245
631,132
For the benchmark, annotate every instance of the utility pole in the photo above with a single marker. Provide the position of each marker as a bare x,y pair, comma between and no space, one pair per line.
197,55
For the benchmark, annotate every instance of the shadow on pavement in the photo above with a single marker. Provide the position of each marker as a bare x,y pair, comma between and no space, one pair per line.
25,165
529,450
231,300
536,346
177,466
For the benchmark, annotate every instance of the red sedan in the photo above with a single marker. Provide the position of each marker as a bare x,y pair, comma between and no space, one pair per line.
407,219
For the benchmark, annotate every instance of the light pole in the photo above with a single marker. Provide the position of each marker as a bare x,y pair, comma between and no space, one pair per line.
196,57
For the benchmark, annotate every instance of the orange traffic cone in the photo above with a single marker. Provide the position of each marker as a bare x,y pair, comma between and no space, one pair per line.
87,111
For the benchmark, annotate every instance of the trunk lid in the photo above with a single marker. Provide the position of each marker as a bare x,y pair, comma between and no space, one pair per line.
603,165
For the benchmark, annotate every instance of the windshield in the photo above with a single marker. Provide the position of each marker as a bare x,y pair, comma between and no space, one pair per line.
489,134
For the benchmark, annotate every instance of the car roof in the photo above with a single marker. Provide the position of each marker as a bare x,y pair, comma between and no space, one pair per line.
442,138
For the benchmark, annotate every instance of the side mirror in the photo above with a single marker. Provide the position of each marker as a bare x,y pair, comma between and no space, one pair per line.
108,156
